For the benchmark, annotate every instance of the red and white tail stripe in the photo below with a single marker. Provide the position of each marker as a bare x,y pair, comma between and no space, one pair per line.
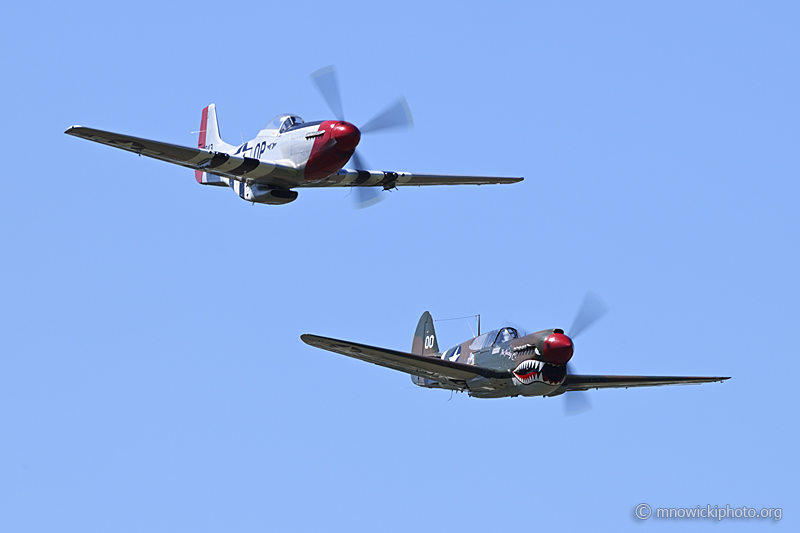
210,140
199,175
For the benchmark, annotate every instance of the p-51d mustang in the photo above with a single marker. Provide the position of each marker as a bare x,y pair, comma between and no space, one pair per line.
499,363
287,154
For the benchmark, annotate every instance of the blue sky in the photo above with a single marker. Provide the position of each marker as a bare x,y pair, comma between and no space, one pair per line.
152,375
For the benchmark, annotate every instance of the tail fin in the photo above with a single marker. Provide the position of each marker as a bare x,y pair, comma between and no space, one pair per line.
425,342
210,140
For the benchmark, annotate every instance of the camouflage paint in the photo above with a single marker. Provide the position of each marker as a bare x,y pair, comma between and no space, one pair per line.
493,365
425,343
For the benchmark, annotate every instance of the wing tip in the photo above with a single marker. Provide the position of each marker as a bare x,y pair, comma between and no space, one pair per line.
309,338
505,181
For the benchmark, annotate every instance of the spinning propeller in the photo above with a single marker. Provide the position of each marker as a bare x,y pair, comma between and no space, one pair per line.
397,115
591,310
558,347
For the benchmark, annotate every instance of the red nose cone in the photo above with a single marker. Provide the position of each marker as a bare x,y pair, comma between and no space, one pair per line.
557,349
347,136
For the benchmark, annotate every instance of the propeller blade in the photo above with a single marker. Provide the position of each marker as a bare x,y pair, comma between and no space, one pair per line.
590,311
397,115
328,86
575,402
357,161
365,196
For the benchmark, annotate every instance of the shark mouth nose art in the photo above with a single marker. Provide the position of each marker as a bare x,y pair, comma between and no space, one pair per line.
529,371
532,371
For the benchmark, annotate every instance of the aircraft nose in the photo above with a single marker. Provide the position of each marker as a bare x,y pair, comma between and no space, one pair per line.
557,349
346,135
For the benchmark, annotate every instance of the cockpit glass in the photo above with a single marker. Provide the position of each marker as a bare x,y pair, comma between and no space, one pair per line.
284,122
484,341
505,335
275,123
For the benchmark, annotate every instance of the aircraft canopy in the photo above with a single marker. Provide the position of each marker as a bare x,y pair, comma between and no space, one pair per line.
284,122
488,339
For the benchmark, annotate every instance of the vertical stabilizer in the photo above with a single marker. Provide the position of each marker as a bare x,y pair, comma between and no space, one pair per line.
425,342
210,140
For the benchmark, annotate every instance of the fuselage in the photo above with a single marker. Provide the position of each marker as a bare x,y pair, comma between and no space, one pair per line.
317,150
536,362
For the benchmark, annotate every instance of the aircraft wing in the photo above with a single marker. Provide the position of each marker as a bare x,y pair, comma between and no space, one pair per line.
220,164
417,365
441,179
389,180
577,382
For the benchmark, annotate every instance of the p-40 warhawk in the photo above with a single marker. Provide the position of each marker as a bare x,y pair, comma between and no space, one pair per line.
287,154
499,363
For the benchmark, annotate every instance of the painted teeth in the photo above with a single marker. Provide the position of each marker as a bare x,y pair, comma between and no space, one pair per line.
529,371
531,364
